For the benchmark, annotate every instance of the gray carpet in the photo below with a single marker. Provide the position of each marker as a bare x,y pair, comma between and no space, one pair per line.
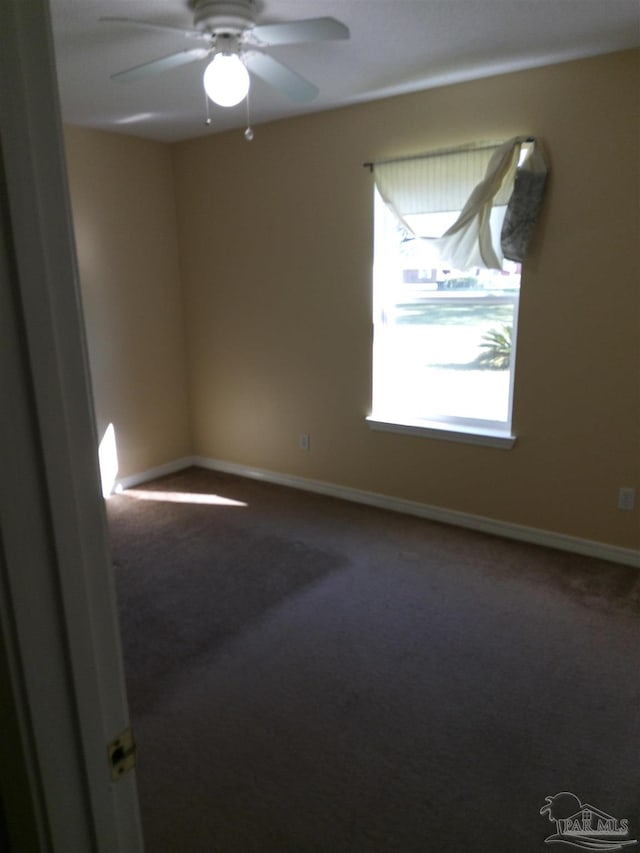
306,674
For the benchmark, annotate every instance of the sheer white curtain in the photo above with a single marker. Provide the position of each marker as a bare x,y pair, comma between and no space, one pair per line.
473,183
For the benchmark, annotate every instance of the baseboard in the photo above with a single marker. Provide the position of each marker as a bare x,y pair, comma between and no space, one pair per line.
547,538
144,476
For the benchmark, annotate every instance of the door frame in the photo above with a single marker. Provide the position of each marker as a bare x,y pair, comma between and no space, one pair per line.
58,616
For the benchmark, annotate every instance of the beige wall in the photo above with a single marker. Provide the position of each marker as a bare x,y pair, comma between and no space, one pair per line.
276,251
122,195
271,251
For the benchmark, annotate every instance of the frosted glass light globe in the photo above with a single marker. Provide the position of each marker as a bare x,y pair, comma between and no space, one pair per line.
226,80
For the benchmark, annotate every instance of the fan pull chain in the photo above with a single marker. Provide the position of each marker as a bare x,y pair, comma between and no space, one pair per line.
207,120
248,134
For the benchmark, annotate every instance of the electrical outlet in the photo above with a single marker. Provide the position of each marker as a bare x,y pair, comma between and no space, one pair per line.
626,498
304,441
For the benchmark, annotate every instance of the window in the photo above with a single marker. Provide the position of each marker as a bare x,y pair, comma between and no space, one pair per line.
445,298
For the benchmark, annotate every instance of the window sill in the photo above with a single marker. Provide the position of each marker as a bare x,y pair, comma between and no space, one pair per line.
484,436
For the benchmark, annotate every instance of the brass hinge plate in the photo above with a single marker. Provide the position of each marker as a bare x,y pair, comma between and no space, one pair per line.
122,754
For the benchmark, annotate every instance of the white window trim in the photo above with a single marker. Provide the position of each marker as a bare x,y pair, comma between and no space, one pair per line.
485,434
497,434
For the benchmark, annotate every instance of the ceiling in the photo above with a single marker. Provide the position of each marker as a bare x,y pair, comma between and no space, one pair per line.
396,46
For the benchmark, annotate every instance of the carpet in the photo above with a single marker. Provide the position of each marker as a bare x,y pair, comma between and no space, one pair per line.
307,674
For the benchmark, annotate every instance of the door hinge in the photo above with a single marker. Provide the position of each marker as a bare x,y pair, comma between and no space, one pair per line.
122,754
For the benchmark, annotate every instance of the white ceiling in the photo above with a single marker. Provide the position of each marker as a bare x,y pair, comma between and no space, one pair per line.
395,46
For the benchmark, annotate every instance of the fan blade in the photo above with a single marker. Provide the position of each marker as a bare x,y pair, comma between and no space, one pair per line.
280,77
164,63
189,33
312,29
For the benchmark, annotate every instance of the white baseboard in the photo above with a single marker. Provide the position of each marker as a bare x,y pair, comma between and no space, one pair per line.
144,476
547,538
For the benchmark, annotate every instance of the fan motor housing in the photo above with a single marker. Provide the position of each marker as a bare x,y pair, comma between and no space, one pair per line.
225,16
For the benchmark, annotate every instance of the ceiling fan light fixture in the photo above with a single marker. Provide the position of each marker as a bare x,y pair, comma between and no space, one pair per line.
226,80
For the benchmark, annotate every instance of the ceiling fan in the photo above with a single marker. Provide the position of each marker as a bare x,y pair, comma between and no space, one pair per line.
228,35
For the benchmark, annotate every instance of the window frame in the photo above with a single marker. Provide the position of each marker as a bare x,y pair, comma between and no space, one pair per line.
469,430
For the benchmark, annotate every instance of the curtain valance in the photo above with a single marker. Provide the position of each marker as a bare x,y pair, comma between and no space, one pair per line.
471,181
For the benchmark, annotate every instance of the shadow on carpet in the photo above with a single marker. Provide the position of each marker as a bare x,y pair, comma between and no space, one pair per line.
188,580
311,676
